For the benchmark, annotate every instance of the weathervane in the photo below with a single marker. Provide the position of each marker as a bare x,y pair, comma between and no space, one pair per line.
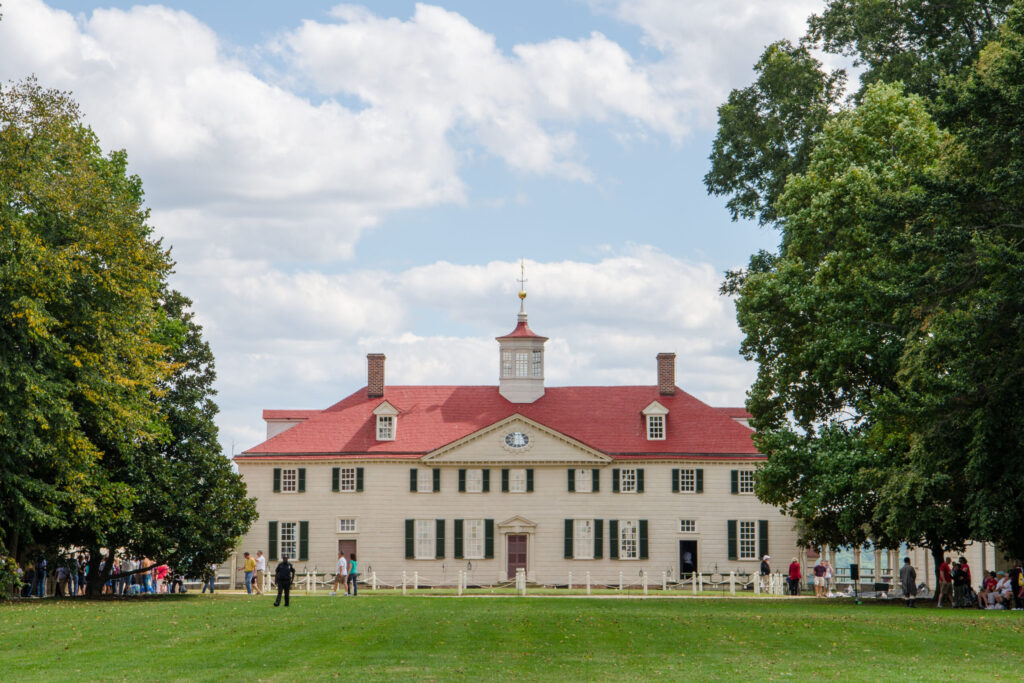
522,285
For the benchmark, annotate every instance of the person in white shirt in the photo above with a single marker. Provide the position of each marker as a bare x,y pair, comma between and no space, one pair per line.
1004,590
261,570
342,575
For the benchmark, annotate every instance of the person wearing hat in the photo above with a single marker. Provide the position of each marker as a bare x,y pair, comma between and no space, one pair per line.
794,577
908,582
766,571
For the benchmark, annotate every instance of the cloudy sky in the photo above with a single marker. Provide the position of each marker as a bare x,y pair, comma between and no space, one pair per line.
340,179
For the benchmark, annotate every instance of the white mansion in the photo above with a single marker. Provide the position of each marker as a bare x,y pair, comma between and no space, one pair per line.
436,479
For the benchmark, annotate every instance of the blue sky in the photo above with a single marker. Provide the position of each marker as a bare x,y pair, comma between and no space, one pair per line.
341,179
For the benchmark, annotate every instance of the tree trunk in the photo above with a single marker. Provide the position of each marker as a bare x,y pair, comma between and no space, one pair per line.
937,558
94,582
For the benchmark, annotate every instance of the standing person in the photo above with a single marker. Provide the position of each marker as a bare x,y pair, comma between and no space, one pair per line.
261,570
62,582
283,576
211,578
161,576
766,570
961,583
249,567
945,583
83,570
147,575
828,578
819,580
794,577
353,576
1017,584
908,581
342,574
41,576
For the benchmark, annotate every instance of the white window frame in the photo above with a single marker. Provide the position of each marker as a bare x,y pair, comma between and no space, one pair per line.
628,475
688,481
746,539
347,479
655,427
474,481
629,539
583,539
745,482
506,364
584,480
473,539
424,480
537,368
687,526
288,544
426,539
386,427
348,525
522,364
289,480
517,481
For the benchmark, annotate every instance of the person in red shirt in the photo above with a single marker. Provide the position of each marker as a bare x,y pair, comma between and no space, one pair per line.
988,587
794,577
945,583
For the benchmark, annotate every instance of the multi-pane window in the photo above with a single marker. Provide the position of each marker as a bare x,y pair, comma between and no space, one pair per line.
289,483
289,539
346,525
522,364
517,481
385,428
688,480
629,545
584,481
425,481
538,363
655,427
746,479
687,526
347,479
425,545
748,540
473,538
506,363
583,539
627,480
474,481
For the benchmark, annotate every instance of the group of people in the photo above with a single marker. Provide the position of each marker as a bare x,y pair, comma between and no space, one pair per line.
255,569
129,576
347,575
998,590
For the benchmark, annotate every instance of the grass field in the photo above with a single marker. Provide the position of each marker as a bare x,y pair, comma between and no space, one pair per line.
388,637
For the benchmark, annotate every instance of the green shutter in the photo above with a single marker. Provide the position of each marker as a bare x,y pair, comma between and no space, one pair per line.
302,480
529,481
613,539
615,480
643,539
412,480
762,537
272,540
303,541
277,480
359,479
568,538
439,527
735,475
458,539
675,481
488,538
504,481
462,483
487,481
597,480
335,479
410,537
700,481
598,538
572,480
639,480
732,539
437,479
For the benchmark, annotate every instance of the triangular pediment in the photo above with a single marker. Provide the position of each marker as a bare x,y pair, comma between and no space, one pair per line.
517,522
517,440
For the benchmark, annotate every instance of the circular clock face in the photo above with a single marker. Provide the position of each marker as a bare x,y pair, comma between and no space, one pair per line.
516,440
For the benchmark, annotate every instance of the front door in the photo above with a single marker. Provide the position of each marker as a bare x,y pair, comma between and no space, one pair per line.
687,558
516,553
348,547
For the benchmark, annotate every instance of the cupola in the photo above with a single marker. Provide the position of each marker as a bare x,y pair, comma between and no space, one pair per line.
521,358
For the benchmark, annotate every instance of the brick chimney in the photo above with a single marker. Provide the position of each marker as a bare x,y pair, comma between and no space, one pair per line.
374,375
667,374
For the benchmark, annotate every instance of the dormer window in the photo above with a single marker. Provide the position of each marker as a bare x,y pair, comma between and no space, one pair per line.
387,418
654,418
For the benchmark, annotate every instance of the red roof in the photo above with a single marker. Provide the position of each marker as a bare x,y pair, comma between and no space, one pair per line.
737,413
522,330
608,419
270,414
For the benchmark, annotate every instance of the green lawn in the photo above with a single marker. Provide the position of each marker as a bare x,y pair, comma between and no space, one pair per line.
388,637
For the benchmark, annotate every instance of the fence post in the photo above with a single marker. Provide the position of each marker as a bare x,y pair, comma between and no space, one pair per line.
460,582
693,583
620,582
373,578
588,583
404,582
645,580
664,581
416,580
570,580
732,583
700,581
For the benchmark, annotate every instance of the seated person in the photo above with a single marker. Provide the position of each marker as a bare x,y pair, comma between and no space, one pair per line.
1003,589
987,594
